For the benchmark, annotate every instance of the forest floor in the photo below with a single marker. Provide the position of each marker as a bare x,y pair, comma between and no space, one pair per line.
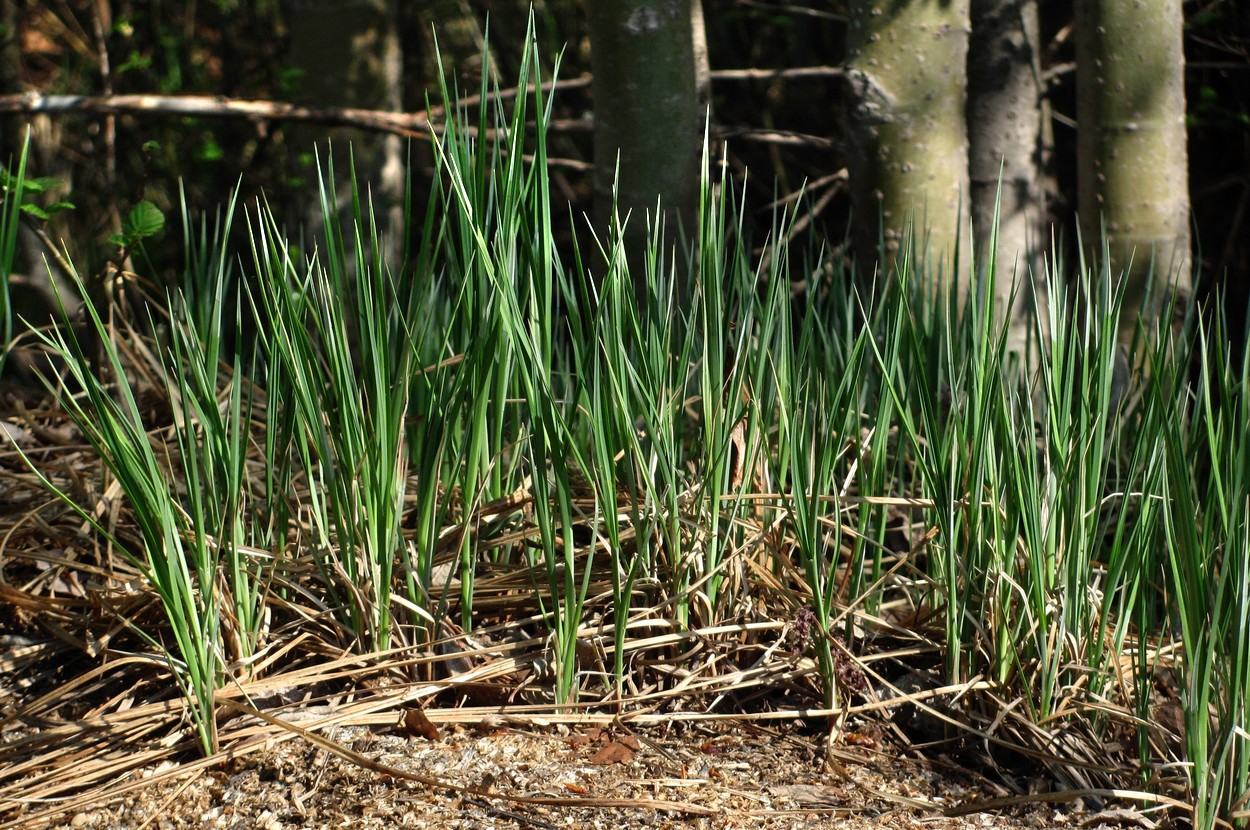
692,776
105,743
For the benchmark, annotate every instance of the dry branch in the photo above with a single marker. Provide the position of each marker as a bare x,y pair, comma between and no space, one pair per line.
212,106
413,125
793,73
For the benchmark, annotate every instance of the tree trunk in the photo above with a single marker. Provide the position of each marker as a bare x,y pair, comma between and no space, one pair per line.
649,60
1131,148
1004,137
349,54
907,65
10,78
32,295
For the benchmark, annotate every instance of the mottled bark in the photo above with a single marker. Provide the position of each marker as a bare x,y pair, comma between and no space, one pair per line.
1004,137
906,70
1132,155
649,59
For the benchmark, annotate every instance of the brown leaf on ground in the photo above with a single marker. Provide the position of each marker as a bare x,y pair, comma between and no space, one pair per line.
619,751
415,722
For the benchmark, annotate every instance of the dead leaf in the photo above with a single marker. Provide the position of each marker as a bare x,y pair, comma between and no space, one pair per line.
719,745
416,723
737,440
615,752
859,739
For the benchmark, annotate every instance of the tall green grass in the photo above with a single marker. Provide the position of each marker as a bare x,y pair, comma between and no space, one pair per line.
334,328
740,431
187,493
12,187
1206,493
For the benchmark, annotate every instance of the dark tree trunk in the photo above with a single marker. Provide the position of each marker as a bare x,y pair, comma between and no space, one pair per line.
349,54
649,61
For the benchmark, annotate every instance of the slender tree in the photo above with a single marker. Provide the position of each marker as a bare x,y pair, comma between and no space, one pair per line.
906,71
1131,150
650,84
10,74
1004,145
349,54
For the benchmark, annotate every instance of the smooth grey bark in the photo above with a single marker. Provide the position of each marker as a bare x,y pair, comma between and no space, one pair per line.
906,73
1004,137
1131,148
349,54
649,61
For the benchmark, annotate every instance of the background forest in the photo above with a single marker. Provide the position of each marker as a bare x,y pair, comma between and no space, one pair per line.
777,96
367,396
